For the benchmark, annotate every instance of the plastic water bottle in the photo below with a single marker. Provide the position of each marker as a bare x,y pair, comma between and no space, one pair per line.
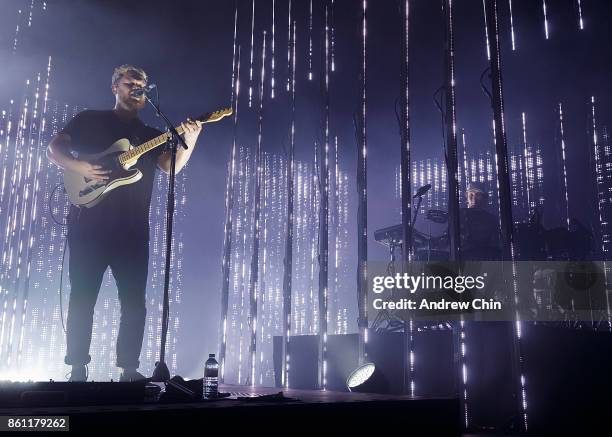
211,377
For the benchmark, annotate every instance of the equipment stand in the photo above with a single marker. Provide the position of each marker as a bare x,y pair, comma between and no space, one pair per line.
161,372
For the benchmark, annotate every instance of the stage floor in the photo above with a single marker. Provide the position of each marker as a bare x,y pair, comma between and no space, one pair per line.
245,409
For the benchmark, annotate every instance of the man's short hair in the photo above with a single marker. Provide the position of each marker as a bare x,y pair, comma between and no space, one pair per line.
477,187
129,70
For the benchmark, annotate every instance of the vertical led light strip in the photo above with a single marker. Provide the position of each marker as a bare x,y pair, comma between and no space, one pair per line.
310,42
235,53
4,156
453,186
300,249
580,20
296,304
545,18
598,173
16,39
32,152
252,178
11,272
336,223
225,269
460,173
324,224
311,310
273,69
451,136
248,182
35,158
499,128
272,301
464,372
26,154
462,331
229,204
527,166
406,195
233,346
288,264
289,39
243,229
344,254
602,177
31,13
362,199
333,38
254,279
564,166
512,26
6,249
433,201
538,180
263,283
487,41
10,129
252,55
466,168
24,149
503,182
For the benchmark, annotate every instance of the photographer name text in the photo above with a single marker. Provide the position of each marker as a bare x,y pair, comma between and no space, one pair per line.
438,305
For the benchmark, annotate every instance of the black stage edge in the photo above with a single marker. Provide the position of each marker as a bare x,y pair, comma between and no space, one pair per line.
309,410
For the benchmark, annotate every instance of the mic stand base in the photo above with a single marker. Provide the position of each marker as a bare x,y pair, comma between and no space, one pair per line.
161,372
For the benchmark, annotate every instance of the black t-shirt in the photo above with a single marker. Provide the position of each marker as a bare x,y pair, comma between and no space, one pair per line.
479,234
124,212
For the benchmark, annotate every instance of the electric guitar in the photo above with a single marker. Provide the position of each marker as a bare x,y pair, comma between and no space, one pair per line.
119,158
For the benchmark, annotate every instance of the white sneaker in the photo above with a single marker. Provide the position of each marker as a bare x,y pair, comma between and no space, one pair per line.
78,374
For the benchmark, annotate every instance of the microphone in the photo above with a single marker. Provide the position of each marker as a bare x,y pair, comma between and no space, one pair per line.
424,189
137,92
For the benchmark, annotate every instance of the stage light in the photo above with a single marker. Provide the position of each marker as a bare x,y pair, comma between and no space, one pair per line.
360,375
367,378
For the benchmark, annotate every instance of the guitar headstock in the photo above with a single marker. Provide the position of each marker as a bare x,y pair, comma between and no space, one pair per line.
211,117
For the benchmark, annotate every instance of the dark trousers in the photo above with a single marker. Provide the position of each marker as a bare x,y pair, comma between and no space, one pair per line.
90,255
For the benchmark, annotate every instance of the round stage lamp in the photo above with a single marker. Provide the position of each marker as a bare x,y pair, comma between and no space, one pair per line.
367,378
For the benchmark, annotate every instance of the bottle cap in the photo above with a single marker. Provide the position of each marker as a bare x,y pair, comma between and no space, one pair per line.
211,355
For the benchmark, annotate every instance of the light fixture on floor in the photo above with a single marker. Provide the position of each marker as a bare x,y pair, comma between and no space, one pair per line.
367,378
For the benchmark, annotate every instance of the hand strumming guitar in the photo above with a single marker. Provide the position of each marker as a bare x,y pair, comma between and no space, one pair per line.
91,171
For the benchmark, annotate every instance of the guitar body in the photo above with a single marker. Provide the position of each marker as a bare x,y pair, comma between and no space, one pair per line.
89,192
119,159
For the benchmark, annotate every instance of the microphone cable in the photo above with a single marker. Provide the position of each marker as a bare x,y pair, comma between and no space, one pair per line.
64,244
64,225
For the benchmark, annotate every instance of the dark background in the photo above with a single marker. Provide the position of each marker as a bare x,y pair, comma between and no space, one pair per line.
186,48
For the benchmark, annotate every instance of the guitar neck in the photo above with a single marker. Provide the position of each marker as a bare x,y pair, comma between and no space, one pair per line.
137,152
132,155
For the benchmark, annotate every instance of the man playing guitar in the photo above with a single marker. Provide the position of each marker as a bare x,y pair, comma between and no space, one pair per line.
114,233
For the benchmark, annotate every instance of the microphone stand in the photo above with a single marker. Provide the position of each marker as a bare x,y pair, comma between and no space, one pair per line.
161,372
414,216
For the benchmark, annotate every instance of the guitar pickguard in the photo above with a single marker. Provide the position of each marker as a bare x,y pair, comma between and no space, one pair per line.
91,187
89,192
